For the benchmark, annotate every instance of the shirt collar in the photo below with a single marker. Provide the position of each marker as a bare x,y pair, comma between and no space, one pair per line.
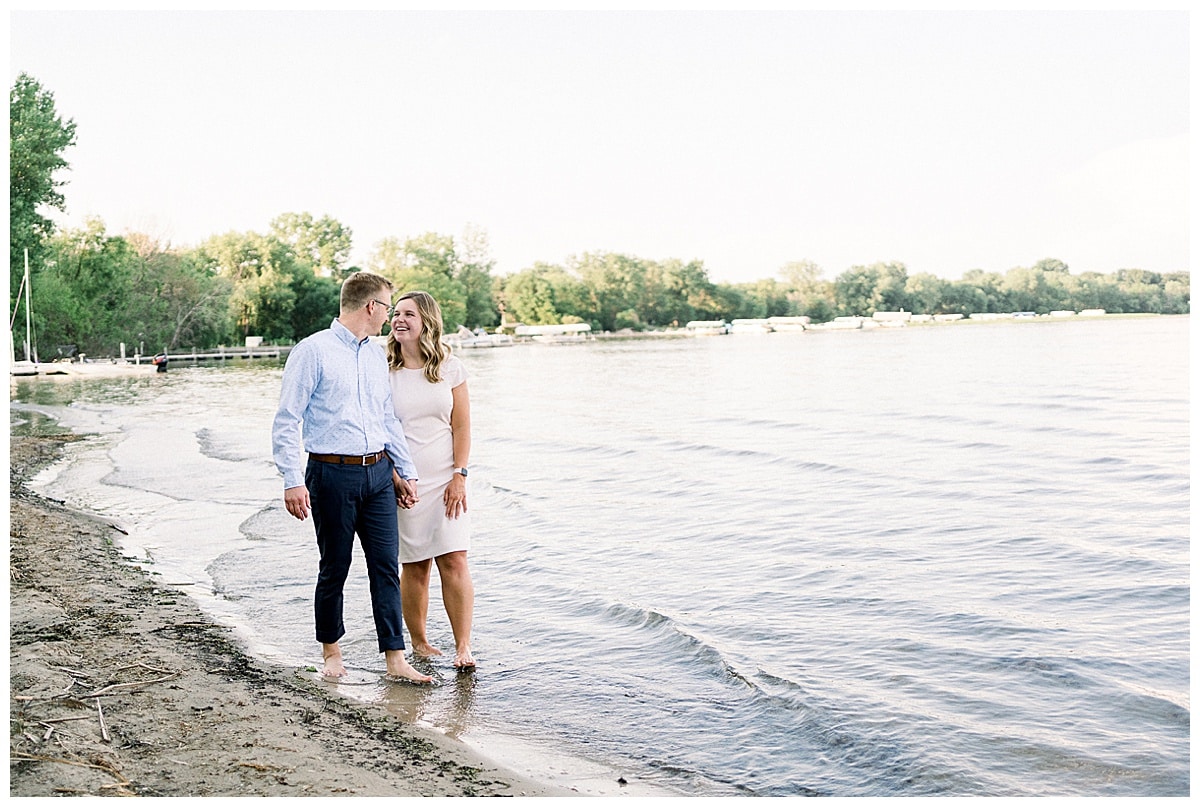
345,334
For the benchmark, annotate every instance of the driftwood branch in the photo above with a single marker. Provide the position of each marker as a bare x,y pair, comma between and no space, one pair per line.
103,728
144,666
109,769
111,688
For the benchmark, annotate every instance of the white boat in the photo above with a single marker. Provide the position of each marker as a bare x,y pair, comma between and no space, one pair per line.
95,369
556,334
840,324
750,326
466,338
707,327
786,324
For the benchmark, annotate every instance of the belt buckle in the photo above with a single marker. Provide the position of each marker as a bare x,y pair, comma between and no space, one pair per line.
372,457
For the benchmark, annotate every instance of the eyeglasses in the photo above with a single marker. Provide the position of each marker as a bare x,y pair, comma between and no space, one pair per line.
387,306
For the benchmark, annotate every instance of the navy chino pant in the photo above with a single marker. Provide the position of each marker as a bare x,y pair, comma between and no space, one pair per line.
348,500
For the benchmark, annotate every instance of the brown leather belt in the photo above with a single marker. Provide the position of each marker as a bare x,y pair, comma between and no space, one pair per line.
349,459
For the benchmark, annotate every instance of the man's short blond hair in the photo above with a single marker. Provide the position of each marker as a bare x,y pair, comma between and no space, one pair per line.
362,287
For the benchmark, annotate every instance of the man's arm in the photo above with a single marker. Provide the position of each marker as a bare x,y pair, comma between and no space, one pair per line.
299,380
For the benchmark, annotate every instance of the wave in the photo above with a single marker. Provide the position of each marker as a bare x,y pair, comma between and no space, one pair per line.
227,447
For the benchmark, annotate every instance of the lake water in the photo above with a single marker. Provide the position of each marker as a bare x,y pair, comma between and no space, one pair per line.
943,560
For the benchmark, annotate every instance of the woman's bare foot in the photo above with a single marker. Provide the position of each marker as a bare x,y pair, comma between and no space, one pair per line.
425,649
334,668
463,660
398,669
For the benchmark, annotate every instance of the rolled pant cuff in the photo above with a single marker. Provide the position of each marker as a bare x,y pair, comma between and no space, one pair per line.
391,643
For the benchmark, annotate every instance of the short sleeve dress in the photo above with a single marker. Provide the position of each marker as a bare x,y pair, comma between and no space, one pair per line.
424,411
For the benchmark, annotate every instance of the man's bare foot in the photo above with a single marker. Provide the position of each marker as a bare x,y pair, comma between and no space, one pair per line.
334,668
425,649
463,660
398,669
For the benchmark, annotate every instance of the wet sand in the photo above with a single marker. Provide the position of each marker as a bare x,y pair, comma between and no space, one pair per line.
122,686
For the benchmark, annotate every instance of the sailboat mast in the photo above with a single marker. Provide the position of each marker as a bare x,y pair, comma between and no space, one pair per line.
28,318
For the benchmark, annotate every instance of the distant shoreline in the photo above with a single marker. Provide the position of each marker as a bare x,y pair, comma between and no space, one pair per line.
223,354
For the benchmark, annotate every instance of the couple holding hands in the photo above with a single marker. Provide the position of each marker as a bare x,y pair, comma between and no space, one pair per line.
388,439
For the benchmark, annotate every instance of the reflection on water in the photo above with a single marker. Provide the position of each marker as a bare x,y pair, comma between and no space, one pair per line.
32,423
451,711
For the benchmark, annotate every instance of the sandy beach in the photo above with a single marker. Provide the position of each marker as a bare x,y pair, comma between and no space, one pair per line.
122,686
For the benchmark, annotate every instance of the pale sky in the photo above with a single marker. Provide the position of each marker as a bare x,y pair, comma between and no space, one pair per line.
943,140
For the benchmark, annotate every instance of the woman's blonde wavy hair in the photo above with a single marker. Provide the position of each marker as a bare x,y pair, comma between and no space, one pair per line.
434,351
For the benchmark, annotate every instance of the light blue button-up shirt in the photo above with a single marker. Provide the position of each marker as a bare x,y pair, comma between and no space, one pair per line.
337,387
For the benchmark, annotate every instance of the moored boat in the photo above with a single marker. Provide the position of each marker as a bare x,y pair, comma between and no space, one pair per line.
555,334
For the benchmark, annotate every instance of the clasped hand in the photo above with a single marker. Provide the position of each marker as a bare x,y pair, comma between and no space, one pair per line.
406,492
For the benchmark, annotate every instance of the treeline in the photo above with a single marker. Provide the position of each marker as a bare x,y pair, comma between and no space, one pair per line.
93,290
96,290
616,291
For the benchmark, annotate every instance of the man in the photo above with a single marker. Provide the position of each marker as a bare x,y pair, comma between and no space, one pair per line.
336,385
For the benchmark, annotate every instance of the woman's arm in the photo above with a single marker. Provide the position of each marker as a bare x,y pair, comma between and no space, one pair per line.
460,430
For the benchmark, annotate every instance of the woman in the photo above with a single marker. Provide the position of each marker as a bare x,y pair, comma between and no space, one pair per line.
429,391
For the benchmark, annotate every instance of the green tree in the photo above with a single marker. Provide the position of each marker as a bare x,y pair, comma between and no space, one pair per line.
180,302
1052,265
729,300
1032,289
1177,293
83,293
38,136
529,296
1141,291
267,280
964,297
325,242
808,294
474,272
317,302
925,293
1089,290
863,290
674,292
615,282
426,263
990,286
763,298
545,294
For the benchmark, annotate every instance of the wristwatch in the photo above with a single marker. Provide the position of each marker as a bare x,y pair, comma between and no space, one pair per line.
462,471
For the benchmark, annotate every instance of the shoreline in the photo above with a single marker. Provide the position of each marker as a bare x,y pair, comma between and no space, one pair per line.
112,366
119,685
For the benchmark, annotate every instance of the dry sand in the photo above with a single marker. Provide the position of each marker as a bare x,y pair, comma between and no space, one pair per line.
121,686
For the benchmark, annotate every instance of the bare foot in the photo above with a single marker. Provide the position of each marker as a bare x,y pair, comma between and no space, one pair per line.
334,668
398,669
425,649
463,660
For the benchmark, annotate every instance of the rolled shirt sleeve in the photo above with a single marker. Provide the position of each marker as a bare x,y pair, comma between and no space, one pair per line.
299,381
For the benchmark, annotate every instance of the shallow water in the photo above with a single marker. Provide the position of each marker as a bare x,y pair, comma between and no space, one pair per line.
923,561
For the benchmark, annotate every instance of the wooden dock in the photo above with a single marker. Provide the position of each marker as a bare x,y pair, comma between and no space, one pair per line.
222,354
